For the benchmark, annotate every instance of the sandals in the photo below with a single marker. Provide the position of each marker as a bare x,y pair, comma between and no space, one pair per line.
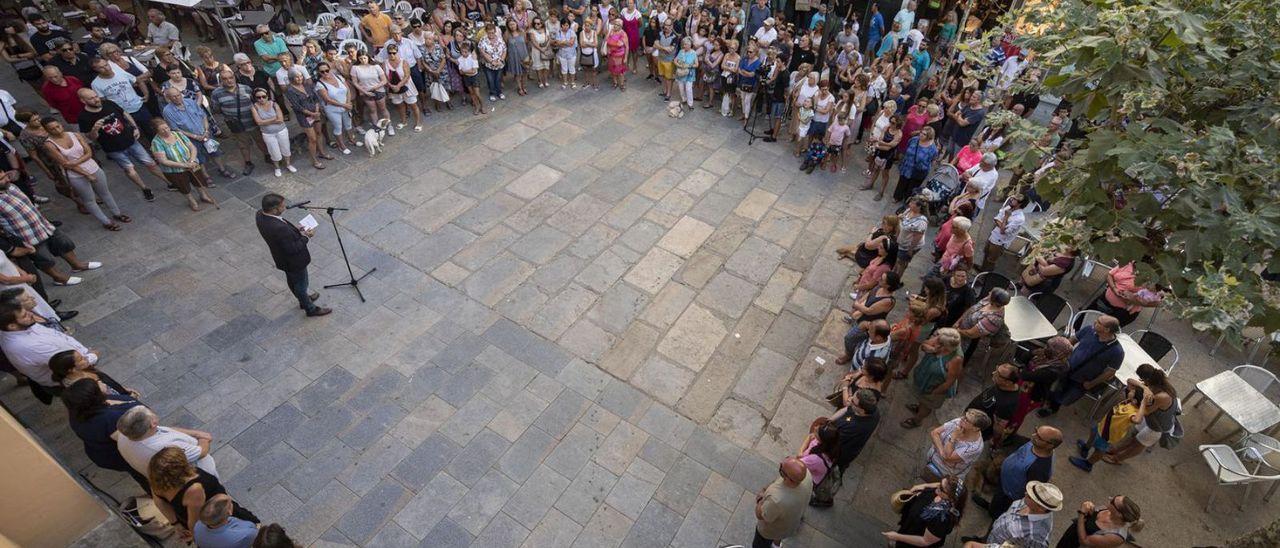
194,206
122,218
909,423
112,227
325,156
317,165
913,407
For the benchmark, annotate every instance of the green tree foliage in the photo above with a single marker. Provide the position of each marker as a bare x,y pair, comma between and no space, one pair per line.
1179,167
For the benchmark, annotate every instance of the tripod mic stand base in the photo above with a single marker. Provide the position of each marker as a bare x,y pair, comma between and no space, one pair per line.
354,283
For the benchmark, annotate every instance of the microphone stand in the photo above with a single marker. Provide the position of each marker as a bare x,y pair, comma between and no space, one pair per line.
354,282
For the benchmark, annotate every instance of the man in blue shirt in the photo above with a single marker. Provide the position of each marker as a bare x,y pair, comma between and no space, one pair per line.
218,529
875,30
756,14
186,117
1031,462
1092,364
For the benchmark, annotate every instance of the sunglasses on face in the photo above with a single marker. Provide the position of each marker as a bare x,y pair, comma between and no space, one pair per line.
259,96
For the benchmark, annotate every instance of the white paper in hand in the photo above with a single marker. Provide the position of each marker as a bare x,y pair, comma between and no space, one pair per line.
309,222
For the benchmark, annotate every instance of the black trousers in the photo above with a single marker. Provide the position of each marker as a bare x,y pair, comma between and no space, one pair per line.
297,280
760,542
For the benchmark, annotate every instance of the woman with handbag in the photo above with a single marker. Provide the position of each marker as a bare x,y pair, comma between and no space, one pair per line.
589,49
930,511
435,70
335,96
180,162
305,102
711,71
729,77
883,151
540,53
686,65
517,55
400,87
1157,410
820,449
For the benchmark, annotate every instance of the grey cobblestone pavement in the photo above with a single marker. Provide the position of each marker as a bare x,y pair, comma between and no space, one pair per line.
584,330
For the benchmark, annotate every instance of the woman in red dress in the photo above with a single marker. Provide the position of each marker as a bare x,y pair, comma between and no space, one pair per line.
618,46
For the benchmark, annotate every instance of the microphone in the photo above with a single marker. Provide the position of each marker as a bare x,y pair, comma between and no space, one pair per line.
297,205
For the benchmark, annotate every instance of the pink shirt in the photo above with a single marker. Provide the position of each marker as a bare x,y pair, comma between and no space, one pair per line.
837,133
815,463
967,158
916,119
956,248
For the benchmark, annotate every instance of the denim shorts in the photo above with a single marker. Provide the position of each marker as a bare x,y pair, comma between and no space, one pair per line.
778,109
135,153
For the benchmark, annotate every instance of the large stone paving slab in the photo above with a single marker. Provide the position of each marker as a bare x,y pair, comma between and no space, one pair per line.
587,328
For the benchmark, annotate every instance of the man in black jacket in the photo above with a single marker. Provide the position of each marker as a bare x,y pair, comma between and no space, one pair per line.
288,245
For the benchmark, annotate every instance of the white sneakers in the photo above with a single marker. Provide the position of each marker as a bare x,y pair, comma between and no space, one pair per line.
291,168
91,265
73,280
279,173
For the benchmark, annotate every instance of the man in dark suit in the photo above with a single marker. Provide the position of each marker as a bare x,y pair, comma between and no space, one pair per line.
288,245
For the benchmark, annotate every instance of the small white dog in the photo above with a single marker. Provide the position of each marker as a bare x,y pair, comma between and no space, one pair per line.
674,110
374,136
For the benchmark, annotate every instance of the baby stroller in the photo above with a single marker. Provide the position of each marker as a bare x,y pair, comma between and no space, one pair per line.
813,157
938,190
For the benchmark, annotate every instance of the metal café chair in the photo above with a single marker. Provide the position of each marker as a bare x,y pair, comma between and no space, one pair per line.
1229,468
1051,306
1080,319
1157,346
984,282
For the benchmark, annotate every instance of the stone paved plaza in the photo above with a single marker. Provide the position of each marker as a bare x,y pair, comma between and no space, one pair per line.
591,325
583,330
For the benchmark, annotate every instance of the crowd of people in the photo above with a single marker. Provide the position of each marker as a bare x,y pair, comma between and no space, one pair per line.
899,95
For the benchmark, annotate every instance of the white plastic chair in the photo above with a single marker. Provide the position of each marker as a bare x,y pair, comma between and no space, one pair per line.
360,46
404,8
1229,469
326,19
418,13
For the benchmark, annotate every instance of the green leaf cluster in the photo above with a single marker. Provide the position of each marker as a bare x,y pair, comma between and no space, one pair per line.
1179,168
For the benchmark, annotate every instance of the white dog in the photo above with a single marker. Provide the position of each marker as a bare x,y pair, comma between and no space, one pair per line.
374,136
674,110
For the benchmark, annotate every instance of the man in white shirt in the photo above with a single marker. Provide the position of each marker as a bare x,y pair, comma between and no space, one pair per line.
1009,222
985,175
141,437
407,49
29,345
159,31
767,34
915,36
8,113
906,19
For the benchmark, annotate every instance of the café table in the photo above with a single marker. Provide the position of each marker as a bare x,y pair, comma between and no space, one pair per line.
1025,322
1236,398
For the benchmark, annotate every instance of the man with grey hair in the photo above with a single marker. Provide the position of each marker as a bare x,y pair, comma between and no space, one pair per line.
159,31
985,176
1092,364
235,102
141,437
186,117
217,528
271,49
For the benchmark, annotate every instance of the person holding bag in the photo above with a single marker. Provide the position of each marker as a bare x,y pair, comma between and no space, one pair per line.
179,160
929,513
